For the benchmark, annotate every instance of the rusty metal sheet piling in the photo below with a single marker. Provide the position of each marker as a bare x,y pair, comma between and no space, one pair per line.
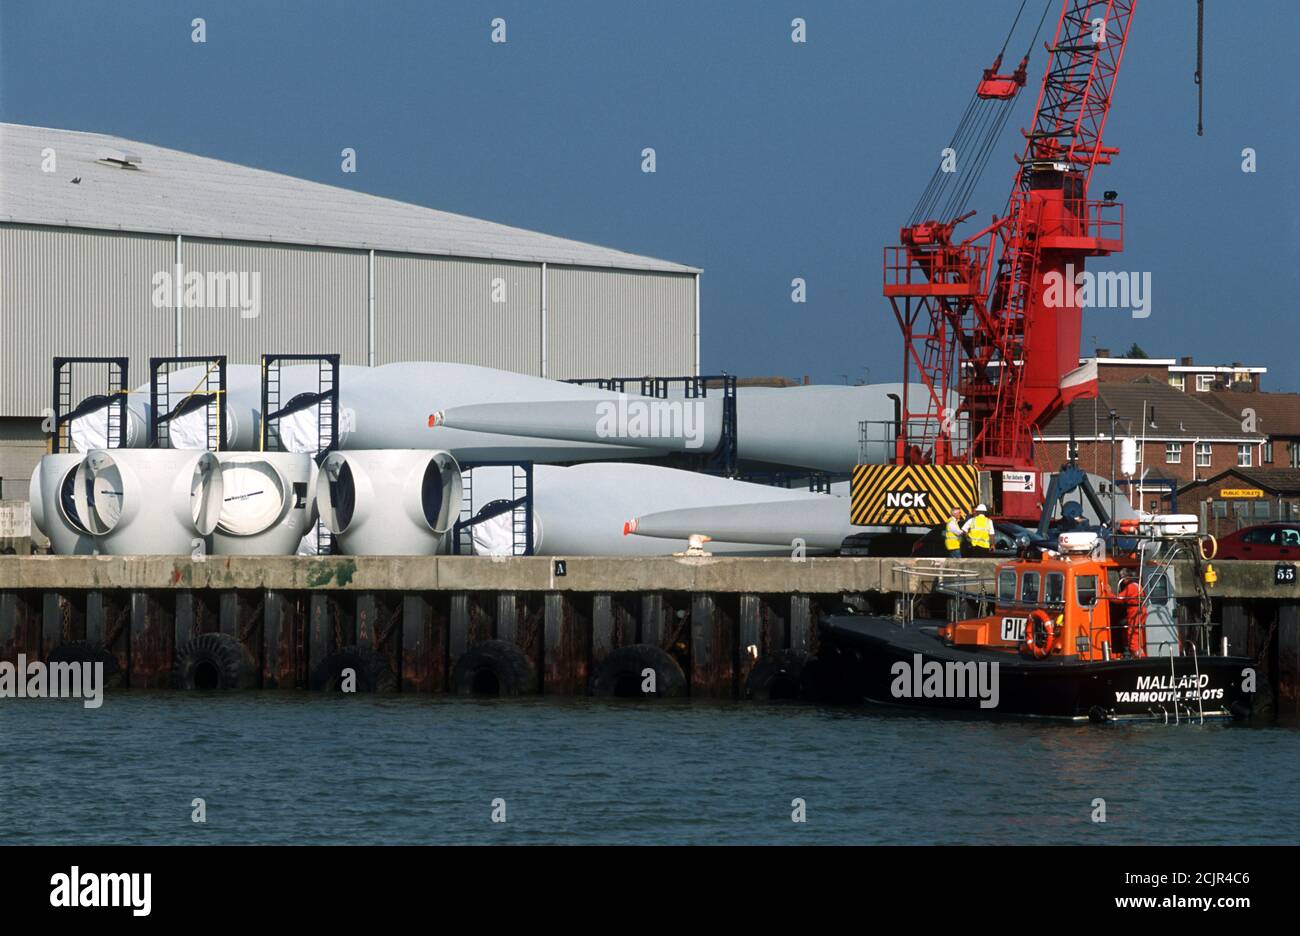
652,619
151,642
568,644
713,648
61,621
280,628
1288,658
424,644
367,614
320,640
20,627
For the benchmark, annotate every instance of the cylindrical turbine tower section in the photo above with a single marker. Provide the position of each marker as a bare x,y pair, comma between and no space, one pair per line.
54,509
394,502
148,502
268,503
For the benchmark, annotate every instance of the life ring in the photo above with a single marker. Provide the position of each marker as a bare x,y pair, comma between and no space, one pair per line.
1207,554
1032,646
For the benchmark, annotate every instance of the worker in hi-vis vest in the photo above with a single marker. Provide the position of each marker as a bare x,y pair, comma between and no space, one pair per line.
952,533
979,532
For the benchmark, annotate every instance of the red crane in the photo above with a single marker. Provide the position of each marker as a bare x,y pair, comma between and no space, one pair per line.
994,345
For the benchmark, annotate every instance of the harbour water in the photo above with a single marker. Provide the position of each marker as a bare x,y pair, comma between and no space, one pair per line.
308,768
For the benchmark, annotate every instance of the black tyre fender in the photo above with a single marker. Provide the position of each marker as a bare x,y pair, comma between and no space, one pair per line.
213,661
83,651
494,667
829,677
777,676
373,672
1257,705
622,673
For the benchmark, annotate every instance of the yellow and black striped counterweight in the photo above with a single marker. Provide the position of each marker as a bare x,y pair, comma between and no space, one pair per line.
911,495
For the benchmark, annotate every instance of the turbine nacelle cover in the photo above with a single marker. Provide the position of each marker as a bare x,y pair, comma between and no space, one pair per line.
392,502
54,509
268,503
147,501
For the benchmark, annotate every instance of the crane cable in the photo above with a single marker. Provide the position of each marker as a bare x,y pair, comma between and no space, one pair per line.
957,204
1200,52
979,130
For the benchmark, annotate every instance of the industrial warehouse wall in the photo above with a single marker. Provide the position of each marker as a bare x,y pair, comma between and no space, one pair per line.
22,443
65,291
68,291
619,323
455,309
312,301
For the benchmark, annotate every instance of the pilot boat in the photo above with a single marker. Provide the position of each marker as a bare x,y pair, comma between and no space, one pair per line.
1052,644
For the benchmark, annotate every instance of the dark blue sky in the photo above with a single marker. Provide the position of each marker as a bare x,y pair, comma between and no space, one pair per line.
775,160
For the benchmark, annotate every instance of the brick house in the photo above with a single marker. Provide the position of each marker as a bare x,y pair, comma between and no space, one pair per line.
1181,438
1241,497
1277,415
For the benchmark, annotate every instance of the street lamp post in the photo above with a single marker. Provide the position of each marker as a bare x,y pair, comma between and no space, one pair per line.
1114,417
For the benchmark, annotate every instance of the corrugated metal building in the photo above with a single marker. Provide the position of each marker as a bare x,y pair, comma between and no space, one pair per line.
88,221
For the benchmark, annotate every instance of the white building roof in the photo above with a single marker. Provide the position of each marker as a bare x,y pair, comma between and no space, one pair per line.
173,192
1148,362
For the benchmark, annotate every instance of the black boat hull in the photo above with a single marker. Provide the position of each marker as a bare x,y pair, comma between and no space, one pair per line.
875,659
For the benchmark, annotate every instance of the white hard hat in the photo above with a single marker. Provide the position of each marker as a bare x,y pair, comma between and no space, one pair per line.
981,509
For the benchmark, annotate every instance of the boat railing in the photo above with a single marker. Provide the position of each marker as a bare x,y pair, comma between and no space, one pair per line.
942,578
1190,634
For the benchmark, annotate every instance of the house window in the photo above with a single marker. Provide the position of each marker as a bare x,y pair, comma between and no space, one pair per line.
1178,381
1173,453
1204,383
1295,454
1262,509
1220,510
1202,454
1243,456
1072,451
1266,454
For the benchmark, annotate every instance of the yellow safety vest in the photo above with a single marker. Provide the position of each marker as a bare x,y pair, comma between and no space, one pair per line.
981,532
952,536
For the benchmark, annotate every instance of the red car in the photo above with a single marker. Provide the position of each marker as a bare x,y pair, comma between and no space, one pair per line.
1266,541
